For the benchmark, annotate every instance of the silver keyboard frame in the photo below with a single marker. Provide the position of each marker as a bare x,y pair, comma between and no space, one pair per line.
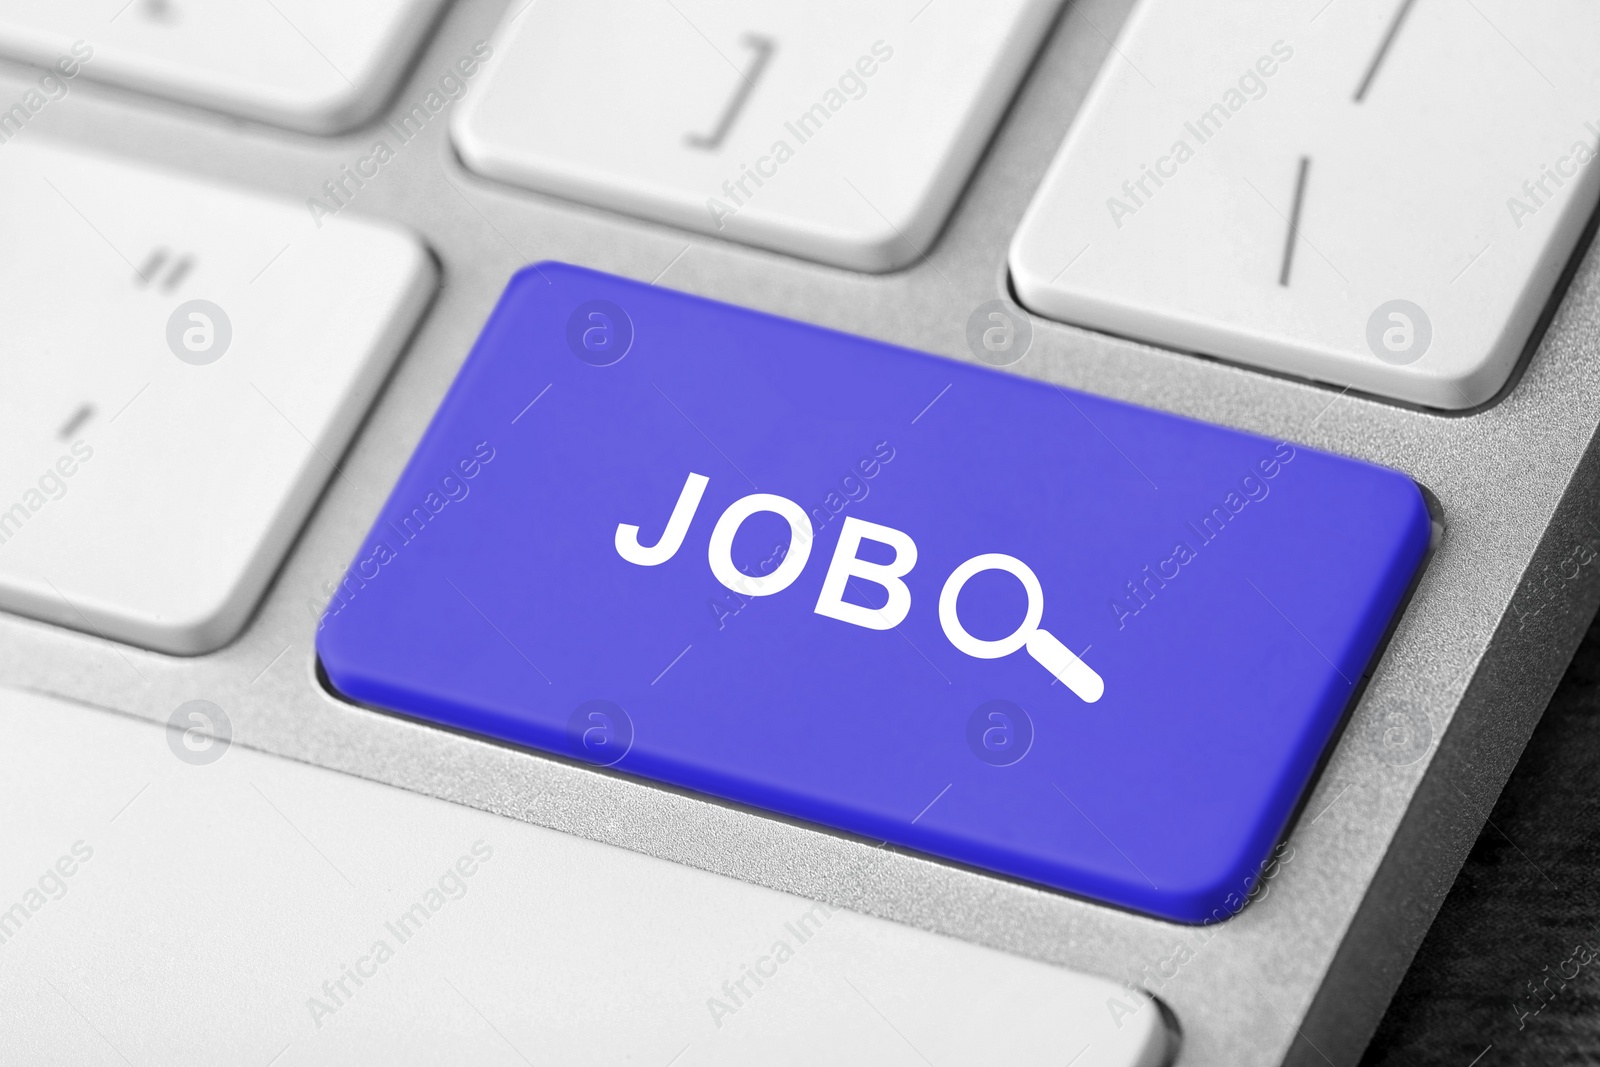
1304,973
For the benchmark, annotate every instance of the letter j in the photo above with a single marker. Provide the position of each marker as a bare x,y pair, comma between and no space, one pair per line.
627,540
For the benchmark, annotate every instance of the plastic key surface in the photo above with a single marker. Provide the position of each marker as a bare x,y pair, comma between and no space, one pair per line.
729,974
1044,634
1379,196
169,415
838,130
316,67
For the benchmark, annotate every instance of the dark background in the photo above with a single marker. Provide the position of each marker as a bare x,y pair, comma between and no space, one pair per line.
1528,897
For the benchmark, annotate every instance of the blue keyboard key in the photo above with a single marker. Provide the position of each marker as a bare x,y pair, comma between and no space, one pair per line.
1052,636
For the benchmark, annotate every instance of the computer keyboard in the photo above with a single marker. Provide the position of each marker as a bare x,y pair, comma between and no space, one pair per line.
233,333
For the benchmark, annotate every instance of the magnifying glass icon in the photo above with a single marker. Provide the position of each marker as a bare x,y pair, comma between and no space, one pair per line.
1042,645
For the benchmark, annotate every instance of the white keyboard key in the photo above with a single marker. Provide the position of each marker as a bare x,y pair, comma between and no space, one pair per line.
838,130
180,365
308,65
328,919
1437,156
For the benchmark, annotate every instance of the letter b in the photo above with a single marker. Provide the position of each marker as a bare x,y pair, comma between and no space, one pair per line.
846,565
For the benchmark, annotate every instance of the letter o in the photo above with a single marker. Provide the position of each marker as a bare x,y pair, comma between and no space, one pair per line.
720,551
